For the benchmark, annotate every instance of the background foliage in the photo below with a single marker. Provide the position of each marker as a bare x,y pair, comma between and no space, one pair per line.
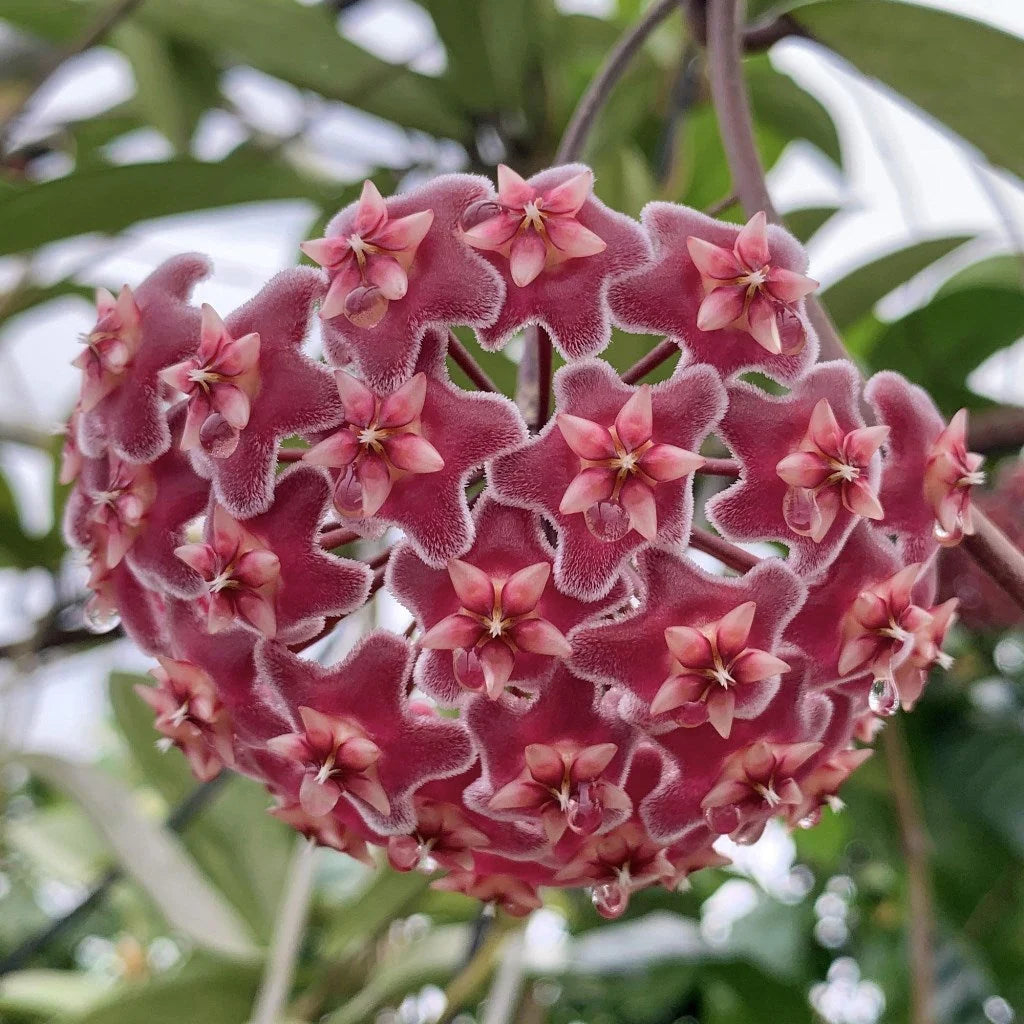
811,928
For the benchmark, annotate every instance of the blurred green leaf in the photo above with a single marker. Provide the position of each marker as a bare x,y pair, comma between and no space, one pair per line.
960,71
1006,271
241,848
109,199
205,991
938,345
805,223
149,854
47,992
857,293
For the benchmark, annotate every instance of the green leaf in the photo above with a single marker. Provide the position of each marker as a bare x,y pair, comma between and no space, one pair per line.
777,101
857,293
960,71
206,991
47,992
805,223
16,547
242,849
301,45
108,199
59,21
174,82
938,345
1006,271
149,854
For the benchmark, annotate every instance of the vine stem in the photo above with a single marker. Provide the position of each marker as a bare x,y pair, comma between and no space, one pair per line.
463,358
583,117
289,926
730,555
989,546
661,352
915,842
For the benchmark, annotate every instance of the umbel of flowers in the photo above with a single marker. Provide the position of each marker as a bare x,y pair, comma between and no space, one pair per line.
579,702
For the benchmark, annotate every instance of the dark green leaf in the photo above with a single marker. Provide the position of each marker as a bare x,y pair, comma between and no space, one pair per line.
1006,271
109,199
857,293
960,71
804,223
938,346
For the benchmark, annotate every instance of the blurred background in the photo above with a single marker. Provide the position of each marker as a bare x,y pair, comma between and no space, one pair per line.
237,127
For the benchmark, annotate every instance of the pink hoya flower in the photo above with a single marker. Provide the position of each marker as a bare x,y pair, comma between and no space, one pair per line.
369,267
807,480
731,297
354,736
742,288
433,280
820,786
756,783
950,473
338,757
119,598
559,248
220,381
379,441
118,508
493,617
136,336
190,715
139,511
442,834
324,830
927,653
595,525
270,572
464,428
70,454
561,758
515,896
620,467
295,396
617,865
697,648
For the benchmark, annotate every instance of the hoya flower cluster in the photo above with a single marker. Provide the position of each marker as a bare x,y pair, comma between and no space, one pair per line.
578,701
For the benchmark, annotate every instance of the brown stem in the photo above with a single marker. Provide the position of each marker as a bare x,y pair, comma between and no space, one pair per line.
533,382
989,546
660,353
462,358
92,35
337,538
728,554
291,454
916,845
755,38
736,125
574,139
544,356
997,555
720,467
996,430
379,561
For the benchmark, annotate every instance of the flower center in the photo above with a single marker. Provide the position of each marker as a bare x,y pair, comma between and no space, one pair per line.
371,435
181,714
843,471
771,798
203,376
326,770
755,278
106,497
974,478
532,215
224,580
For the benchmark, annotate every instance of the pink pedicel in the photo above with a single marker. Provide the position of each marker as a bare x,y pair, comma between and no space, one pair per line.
582,699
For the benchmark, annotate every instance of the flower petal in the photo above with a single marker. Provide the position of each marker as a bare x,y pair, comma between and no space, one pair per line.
232,403
638,501
591,761
523,589
452,633
473,586
860,499
752,242
635,419
387,274
572,239
318,798
712,260
570,195
335,451
375,480
538,636
492,233
753,666
676,691
512,189
690,647
666,462
721,706
527,258
589,440
328,252
721,307
587,488
764,327
803,469
404,405
789,286
545,763
413,453
497,662
371,211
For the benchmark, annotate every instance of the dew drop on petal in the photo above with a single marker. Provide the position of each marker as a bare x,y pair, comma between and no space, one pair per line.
693,713
348,493
610,900
884,698
468,670
584,812
723,820
791,331
218,438
478,212
607,520
99,618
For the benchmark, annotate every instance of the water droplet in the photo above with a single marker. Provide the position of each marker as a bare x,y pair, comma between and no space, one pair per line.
607,520
610,900
348,494
365,306
99,617
791,331
691,714
468,669
723,820
218,438
584,812
810,820
884,698
478,212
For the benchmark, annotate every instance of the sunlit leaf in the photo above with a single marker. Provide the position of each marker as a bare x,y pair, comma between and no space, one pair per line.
960,71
